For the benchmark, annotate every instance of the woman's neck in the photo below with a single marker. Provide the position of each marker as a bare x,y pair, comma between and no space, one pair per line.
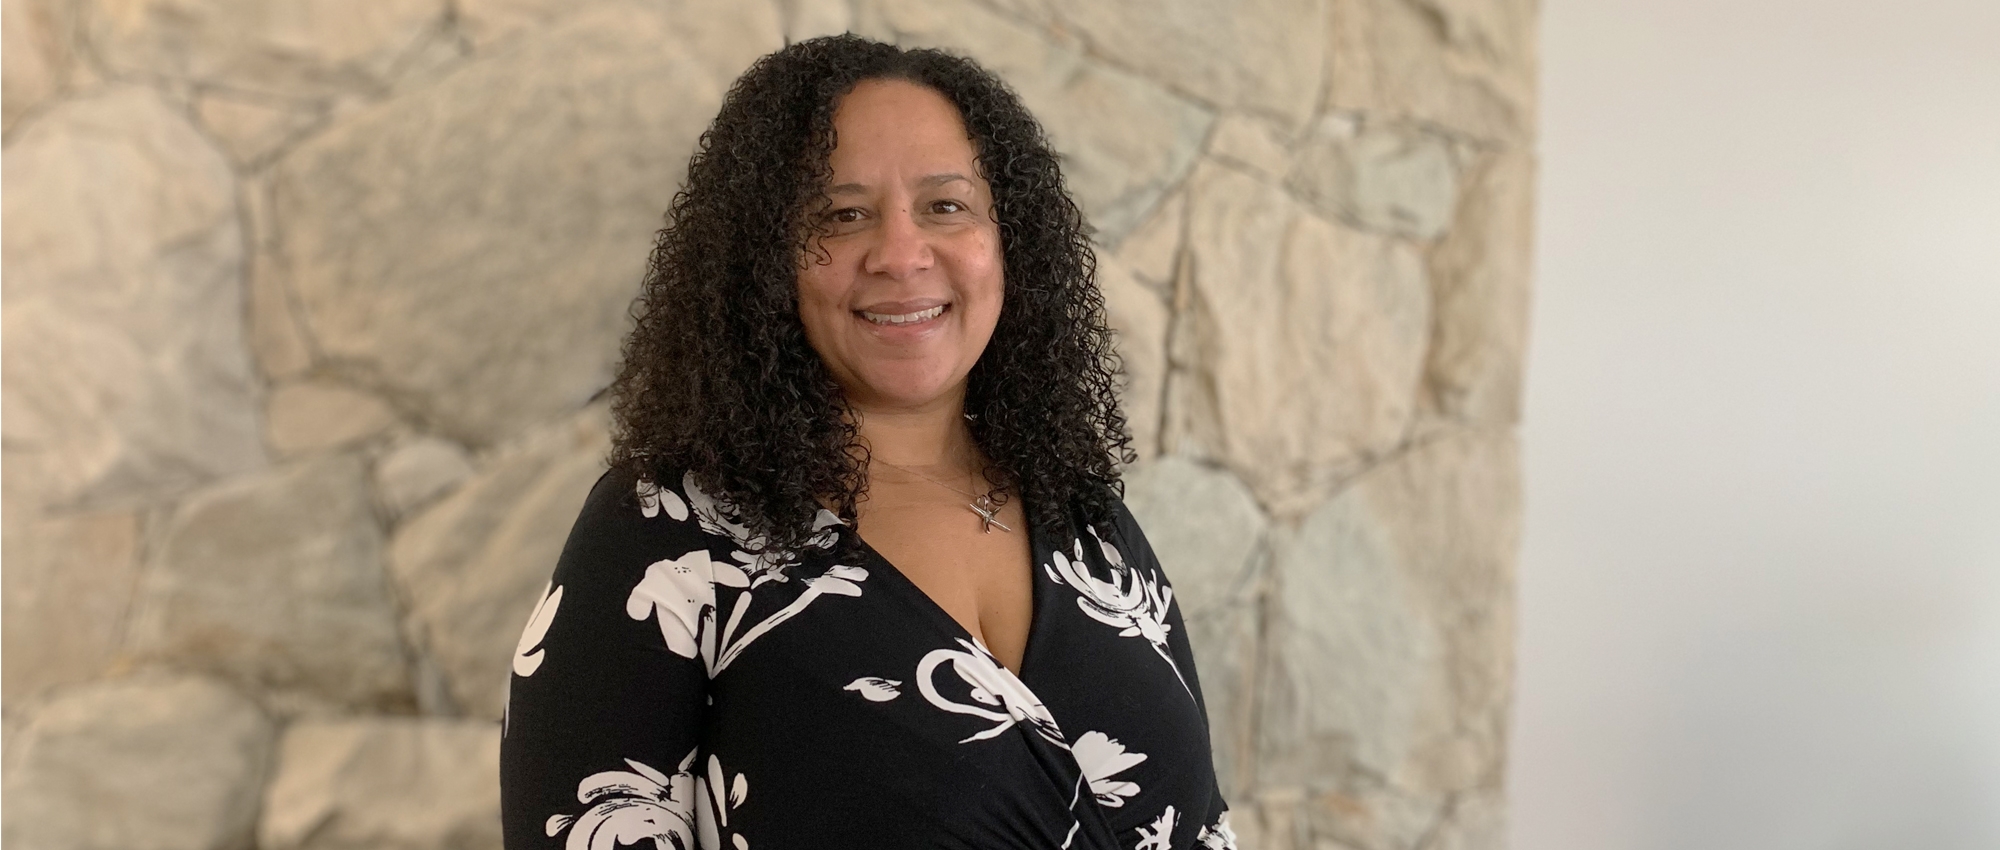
933,437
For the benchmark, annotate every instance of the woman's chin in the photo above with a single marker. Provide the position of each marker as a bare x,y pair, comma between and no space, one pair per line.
900,389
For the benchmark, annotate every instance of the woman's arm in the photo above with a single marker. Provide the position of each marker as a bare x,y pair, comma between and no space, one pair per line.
603,715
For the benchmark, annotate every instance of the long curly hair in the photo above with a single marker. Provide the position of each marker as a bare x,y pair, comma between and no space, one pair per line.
718,378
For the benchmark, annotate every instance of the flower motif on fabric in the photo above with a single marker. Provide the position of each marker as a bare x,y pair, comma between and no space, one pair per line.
678,812
681,592
1131,601
1101,757
1160,835
1218,835
627,807
655,500
528,653
996,694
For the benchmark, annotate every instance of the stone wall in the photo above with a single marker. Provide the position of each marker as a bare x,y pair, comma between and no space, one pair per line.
308,304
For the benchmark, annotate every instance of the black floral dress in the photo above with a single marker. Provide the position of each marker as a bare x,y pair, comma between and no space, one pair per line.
673,689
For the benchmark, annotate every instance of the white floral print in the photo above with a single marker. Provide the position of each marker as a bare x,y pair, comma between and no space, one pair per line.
654,500
875,689
1218,835
711,806
678,812
1133,602
681,593
1159,836
528,653
627,807
1001,696
1101,757
767,565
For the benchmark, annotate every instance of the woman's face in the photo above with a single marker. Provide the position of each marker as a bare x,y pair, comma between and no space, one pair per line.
913,289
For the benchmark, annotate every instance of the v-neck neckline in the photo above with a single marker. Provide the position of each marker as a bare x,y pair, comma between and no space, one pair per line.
951,624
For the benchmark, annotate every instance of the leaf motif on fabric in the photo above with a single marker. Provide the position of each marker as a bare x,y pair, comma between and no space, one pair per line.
655,500
991,685
875,689
1160,835
1218,835
528,654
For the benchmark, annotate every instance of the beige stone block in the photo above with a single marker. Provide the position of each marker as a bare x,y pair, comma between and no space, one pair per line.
1391,653
1203,524
1138,318
1153,250
69,582
277,338
275,581
1463,64
1250,143
1300,345
488,23
806,19
1380,176
250,127
419,470
1369,817
489,292
38,55
1206,530
1477,820
386,783
472,566
298,48
1124,139
726,35
145,763
1261,55
313,415
1480,279
126,379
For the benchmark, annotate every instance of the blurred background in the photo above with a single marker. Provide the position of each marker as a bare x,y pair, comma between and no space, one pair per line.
308,305
1760,583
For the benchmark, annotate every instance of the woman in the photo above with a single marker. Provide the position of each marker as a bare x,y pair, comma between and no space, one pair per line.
860,575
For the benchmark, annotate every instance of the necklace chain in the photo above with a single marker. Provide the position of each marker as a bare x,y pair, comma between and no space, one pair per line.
981,504
968,493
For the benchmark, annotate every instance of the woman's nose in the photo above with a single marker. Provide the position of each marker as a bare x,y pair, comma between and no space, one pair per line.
901,247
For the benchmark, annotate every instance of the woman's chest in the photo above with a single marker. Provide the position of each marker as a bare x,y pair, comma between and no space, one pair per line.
880,687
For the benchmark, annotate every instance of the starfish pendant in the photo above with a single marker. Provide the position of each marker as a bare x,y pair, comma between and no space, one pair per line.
983,507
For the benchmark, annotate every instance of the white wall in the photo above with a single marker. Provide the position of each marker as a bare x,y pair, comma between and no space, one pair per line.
1760,586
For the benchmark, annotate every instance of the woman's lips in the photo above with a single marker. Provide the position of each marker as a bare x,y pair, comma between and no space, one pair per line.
883,317
903,322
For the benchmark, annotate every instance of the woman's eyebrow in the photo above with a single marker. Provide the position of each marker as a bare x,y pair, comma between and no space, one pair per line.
931,180
928,181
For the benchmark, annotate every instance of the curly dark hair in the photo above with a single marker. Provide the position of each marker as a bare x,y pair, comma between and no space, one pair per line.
719,380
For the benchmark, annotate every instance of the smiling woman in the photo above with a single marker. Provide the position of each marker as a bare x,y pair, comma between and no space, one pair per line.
862,548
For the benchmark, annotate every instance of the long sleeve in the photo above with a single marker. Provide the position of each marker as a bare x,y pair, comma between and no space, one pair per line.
606,700
1212,830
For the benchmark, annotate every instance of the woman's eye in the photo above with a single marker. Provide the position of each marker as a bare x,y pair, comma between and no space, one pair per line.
947,207
845,215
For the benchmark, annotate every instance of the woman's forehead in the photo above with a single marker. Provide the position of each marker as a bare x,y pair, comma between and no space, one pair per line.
886,128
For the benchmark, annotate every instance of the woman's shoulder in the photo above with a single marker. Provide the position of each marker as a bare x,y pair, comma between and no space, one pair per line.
668,507
628,520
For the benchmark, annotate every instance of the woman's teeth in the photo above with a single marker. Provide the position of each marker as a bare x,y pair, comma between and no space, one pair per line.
904,318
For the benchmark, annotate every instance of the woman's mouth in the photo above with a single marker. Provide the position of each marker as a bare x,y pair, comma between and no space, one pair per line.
894,319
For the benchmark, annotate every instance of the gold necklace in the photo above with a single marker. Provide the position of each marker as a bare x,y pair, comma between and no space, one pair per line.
981,504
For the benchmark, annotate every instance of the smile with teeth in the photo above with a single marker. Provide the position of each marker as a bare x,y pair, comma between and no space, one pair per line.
903,318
